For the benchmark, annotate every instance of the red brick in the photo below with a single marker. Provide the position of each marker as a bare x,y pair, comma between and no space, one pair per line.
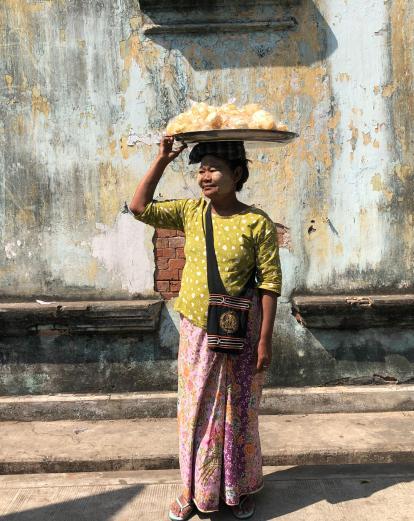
167,275
161,232
176,242
165,252
180,253
180,233
175,285
162,263
168,295
161,243
174,264
180,274
162,285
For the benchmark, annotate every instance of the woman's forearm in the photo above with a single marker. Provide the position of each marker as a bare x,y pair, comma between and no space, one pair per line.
144,192
146,188
269,307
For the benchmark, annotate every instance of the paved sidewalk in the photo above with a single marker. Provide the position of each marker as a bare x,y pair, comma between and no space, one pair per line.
296,439
324,493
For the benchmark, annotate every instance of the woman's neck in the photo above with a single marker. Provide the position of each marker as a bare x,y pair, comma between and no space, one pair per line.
227,205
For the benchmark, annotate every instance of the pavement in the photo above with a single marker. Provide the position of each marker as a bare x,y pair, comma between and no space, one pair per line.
383,492
145,444
163,404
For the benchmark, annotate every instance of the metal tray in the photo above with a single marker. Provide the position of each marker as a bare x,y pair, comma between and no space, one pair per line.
238,134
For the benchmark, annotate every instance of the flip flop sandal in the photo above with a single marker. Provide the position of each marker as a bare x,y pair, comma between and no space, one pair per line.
245,515
173,517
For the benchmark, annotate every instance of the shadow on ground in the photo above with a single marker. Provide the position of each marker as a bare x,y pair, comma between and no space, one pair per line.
287,491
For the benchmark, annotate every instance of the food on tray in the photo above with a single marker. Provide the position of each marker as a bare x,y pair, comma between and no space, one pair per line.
206,117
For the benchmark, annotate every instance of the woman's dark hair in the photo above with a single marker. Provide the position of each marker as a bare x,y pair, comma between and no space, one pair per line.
234,163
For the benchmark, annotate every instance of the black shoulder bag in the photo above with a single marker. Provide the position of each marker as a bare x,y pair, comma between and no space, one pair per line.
228,316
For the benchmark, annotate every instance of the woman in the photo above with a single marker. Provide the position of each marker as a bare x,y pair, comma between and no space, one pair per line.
218,394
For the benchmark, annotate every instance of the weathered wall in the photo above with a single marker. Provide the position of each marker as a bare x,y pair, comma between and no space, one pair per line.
77,75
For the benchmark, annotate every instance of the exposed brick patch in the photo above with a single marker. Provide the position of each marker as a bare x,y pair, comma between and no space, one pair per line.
169,261
170,258
176,264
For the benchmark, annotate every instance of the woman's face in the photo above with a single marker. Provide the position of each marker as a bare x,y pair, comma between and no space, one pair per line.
215,177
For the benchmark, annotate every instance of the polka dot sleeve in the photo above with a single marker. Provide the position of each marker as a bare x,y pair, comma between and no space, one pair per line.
269,273
164,214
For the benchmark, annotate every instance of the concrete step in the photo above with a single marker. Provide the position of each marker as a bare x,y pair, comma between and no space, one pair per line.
107,445
286,400
311,493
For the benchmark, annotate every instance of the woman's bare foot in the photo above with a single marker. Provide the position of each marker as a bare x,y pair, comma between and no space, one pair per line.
245,508
182,512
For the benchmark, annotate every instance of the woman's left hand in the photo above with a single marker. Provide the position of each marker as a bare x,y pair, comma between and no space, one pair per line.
264,354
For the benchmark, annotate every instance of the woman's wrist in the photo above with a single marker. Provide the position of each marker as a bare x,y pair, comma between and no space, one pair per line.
162,160
265,337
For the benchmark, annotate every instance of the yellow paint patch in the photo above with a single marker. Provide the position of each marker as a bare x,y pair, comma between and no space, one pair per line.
91,205
379,126
343,76
320,240
376,183
109,203
92,271
376,143
338,150
127,151
334,120
9,82
366,137
354,138
81,44
124,82
378,186
18,125
62,35
26,217
130,50
339,249
377,89
134,22
40,104
403,171
388,90
112,147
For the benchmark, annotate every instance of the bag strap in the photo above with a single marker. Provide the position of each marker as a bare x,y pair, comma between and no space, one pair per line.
215,284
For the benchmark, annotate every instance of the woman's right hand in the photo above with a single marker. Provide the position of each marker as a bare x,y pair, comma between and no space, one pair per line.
166,151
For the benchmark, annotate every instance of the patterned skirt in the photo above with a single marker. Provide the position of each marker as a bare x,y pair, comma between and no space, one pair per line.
218,402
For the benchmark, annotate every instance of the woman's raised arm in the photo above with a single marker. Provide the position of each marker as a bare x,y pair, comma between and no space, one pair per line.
146,187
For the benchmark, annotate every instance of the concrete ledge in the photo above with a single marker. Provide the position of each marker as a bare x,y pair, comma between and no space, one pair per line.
88,406
154,5
85,446
219,27
354,311
347,399
308,400
105,316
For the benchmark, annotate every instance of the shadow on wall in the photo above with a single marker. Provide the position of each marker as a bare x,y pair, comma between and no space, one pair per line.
310,40
367,345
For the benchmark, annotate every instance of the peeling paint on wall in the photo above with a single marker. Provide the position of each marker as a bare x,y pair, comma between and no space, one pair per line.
123,252
77,77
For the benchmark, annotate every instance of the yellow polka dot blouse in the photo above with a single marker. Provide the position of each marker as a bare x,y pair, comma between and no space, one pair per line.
240,241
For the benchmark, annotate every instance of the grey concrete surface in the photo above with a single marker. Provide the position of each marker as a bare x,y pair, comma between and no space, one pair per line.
339,493
75,446
290,400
